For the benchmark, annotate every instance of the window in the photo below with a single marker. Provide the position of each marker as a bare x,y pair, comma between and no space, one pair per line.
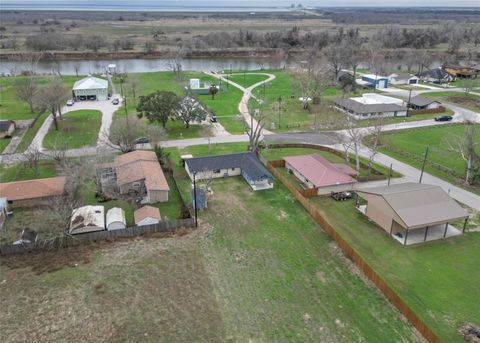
136,184
233,169
216,171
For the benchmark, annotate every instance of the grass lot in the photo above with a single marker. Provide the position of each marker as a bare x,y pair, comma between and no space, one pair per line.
3,143
31,133
14,109
77,129
470,101
224,106
437,280
247,80
16,172
409,146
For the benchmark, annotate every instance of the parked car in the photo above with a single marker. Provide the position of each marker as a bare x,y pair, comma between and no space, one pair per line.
70,102
141,140
341,196
115,101
443,118
92,97
82,97
213,119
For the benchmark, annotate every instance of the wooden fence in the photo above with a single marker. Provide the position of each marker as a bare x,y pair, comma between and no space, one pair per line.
439,109
347,249
67,241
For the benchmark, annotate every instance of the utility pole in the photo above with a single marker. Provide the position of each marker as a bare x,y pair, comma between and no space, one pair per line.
227,81
423,165
263,90
195,198
390,173
279,109
408,103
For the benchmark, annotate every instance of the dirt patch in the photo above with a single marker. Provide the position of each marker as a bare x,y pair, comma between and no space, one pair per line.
464,100
469,332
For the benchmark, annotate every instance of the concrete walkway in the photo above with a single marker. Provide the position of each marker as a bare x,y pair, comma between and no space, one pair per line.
247,94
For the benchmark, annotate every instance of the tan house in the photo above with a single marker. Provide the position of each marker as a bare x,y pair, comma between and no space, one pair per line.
412,213
31,193
137,172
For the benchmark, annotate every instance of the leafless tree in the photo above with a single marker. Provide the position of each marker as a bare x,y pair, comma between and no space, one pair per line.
76,67
123,133
354,135
257,122
174,63
26,89
190,110
309,85
465,145
335,57
133,85
31,158
375,132
52,97
469,84
59,152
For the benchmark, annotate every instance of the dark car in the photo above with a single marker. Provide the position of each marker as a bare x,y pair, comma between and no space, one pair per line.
340,196
141,140
115,101
443,118
213,119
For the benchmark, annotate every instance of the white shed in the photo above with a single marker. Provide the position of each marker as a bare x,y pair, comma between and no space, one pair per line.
147,215
87,219
91,88
116,219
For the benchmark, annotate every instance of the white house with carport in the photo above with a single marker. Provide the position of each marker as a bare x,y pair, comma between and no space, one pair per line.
90,88
116,219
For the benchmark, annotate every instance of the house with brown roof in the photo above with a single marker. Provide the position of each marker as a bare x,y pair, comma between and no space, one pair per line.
147,215
137,172
412,213
316,172
31,193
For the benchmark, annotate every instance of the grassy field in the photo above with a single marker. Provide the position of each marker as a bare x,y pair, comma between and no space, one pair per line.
16,172
247,80
77,129
3,143
224,106
470,101
409,146
14,109
31,133
437,280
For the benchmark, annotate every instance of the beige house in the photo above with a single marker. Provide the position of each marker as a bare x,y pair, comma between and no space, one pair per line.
139,171
30,193
412,213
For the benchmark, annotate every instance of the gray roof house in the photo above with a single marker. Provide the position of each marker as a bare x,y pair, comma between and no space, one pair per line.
419,103
411,212
245,164
437,75
369,110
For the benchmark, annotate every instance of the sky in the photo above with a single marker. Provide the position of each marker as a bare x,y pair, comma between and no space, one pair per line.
256,3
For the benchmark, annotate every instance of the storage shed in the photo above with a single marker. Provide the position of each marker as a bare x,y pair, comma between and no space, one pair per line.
90,88
147,215
377,81
116,219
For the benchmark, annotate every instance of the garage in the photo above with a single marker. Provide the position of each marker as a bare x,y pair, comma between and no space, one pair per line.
90,88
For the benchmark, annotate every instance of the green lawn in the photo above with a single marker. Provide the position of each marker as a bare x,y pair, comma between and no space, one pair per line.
439,280
224,106
247,80
77,129
3,143
14,109
409,146
16,172
277,276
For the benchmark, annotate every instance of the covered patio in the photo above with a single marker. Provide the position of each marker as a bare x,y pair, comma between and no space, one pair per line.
427,234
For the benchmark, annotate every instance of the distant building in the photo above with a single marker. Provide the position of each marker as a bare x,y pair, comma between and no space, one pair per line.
245,164
375,81
31,193
437,76
316,172
90,88
371,105
196,87
460,71
6,128
423,103
403,79
87,219
147,215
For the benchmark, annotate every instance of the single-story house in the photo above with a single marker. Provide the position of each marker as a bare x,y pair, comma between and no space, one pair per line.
87,219
371,105
137,172
460,71
411,212
376,81
6,128
147,215
30,193
436,75
90,88
423,103
245,164
403,79
26,236
116,219
316,172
